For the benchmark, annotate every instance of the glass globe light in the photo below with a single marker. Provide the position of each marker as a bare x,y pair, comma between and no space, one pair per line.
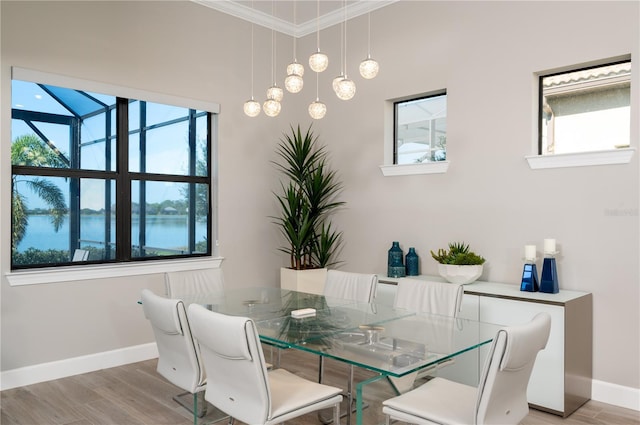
274,92
252,108
293,83
335,82
271,107
318,61
295,68
369,68
346,89
317,109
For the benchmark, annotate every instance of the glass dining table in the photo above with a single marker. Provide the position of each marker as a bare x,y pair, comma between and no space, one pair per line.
389,341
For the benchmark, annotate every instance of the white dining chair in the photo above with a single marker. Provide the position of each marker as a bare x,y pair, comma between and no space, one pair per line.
432,297
501,396
425,296
80,255
179,359
359,287
189,283
244,388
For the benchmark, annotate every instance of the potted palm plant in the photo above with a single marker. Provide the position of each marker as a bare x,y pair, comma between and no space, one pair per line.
307,198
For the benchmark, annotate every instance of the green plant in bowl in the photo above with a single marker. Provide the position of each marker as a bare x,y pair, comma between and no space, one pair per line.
458,264
458,254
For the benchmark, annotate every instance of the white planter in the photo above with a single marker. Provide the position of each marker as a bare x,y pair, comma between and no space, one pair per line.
310,281
460,274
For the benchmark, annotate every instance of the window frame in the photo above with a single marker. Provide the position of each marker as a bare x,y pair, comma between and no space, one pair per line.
613,156
21,274
390,168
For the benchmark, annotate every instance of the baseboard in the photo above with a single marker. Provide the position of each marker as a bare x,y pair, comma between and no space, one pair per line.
76,366
604,392
616,395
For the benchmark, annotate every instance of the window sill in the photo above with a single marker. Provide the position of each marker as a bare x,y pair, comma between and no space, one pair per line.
609,157
101,271
411,169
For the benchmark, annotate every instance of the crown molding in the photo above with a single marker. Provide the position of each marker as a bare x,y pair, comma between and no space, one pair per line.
266,20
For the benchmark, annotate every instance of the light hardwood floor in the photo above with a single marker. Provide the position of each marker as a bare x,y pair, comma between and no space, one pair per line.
135,394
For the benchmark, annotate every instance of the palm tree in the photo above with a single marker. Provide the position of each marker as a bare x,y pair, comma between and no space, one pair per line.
30,150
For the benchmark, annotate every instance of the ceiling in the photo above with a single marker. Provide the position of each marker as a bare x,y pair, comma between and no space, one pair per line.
279,14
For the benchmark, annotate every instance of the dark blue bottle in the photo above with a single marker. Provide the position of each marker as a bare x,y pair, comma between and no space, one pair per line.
412,261
549,278
395,266
529,278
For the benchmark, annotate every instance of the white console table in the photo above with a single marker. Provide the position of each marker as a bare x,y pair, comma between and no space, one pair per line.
561,378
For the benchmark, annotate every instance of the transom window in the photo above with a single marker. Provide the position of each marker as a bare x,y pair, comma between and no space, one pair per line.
100,178
420,129
585,109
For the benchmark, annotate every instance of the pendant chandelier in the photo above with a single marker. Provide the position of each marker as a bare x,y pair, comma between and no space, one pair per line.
272,105
318,61
317,109
294,82
343,86
369,67
252,106
334,83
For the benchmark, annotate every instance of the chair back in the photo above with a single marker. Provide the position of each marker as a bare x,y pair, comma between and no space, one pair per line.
351,286
80,255
429,296
502,392
189,283
232,352
179,358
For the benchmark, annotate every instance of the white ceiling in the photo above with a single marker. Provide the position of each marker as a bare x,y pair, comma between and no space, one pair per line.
279,14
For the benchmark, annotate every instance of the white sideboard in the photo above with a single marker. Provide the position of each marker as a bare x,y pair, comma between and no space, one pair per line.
561,378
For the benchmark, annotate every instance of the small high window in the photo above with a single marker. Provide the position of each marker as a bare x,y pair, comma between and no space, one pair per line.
585,110
420,129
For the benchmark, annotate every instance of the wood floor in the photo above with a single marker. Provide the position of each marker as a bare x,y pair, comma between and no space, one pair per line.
135,394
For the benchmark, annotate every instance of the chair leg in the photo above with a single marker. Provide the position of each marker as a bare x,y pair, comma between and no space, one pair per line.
199,405
336,414
195,409
387,420
320,369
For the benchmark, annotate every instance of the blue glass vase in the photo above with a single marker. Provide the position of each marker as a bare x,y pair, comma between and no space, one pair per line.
549,278
395,266
529,278
411,262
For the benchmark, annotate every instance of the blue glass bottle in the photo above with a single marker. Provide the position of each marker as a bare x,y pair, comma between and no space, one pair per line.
549,278
412,261
395,266
530,278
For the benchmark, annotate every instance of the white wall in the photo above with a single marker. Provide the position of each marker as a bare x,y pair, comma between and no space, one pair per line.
484,54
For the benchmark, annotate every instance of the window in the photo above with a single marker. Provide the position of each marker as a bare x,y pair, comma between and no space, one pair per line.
585,110
100,178
420,129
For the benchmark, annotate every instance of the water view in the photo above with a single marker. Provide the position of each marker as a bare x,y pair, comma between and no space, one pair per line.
162,231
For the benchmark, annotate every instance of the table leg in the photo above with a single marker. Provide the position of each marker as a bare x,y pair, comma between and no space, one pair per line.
350,394
320,369
359,395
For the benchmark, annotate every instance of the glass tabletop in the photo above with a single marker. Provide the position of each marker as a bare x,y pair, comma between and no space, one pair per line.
378,337
400,345
262,303
319,332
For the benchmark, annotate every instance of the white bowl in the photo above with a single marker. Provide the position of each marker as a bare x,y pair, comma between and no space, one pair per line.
460,274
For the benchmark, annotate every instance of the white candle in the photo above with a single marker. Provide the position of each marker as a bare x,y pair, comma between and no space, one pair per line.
549,246
530,252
